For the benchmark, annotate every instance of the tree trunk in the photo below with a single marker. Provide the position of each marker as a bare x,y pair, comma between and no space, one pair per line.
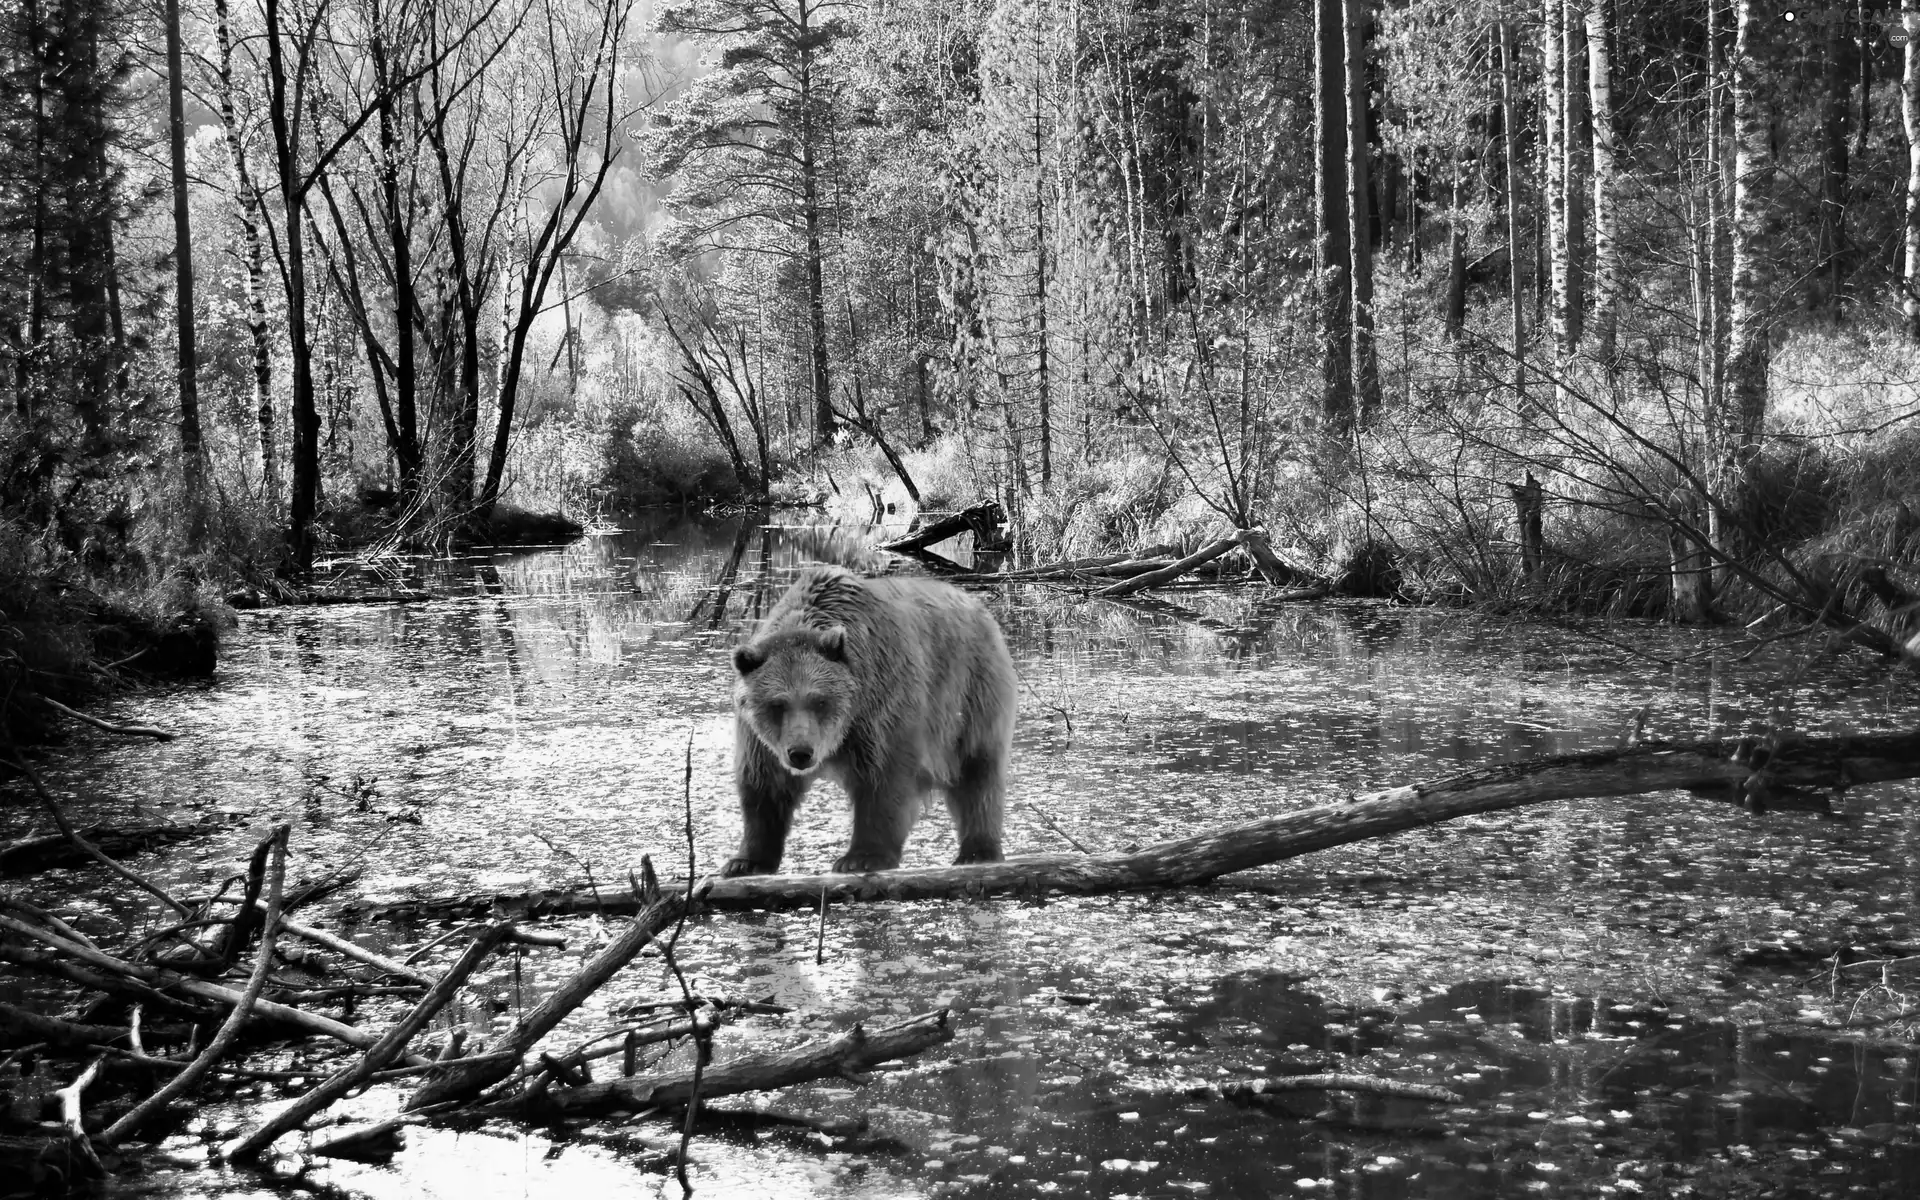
406,442
1529,501
247,206
192,451
1454,312
1510,129
823,419
1366,365
306,416
1553,101
1828,286
1910,115
1748,349
1042,381
1606,266
1332,255
1576,159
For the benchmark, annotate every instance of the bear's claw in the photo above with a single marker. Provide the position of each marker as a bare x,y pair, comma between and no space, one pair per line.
743,866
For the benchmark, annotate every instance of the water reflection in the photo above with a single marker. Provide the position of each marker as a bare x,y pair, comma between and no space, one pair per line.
1588,975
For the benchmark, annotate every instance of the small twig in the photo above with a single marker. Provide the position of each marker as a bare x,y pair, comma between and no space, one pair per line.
1879,962
197,1070
703,1054
420,952
702,1033
158,735
1050,824
88,848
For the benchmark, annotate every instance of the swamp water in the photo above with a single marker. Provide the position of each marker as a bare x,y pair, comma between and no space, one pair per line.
1630,994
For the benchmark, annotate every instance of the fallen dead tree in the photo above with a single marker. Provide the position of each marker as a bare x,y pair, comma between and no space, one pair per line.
982,520
46,852
1793,772
1174,570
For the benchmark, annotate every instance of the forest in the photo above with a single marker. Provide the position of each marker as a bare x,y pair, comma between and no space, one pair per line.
1394,283
1568,350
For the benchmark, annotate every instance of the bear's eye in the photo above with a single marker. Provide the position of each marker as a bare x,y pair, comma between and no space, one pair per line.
775,709
820,706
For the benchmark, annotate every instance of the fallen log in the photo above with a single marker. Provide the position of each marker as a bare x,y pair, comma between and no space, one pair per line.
1175,570
838,1057
1795,773
981,519
1106,566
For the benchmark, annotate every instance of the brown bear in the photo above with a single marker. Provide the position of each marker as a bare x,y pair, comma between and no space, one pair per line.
894,687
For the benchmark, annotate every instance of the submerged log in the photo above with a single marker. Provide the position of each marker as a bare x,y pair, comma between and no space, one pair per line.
1795,773
1256,1090
983,519
838,1057
46,852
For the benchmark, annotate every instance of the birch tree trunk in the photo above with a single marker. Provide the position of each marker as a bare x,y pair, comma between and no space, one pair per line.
1748,349
1553,102
1606,266
1332,255
1910,114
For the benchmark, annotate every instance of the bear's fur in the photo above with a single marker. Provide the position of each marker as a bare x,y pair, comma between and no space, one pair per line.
894,687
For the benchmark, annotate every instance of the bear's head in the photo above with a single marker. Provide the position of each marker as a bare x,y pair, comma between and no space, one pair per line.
796,693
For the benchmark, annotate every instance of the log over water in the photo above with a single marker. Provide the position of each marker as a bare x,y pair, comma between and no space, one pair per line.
1794,772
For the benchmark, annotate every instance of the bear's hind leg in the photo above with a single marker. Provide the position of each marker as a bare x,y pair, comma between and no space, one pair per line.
769,794
978,801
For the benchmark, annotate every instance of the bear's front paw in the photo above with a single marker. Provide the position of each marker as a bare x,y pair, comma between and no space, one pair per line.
744,866
860,864
978,850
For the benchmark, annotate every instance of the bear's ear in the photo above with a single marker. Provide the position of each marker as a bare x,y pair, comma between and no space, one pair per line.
833,642
747,658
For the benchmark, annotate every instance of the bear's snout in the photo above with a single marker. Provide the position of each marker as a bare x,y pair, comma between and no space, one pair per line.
800,758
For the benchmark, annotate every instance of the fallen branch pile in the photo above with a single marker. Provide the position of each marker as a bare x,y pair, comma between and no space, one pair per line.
178,970
1119,575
